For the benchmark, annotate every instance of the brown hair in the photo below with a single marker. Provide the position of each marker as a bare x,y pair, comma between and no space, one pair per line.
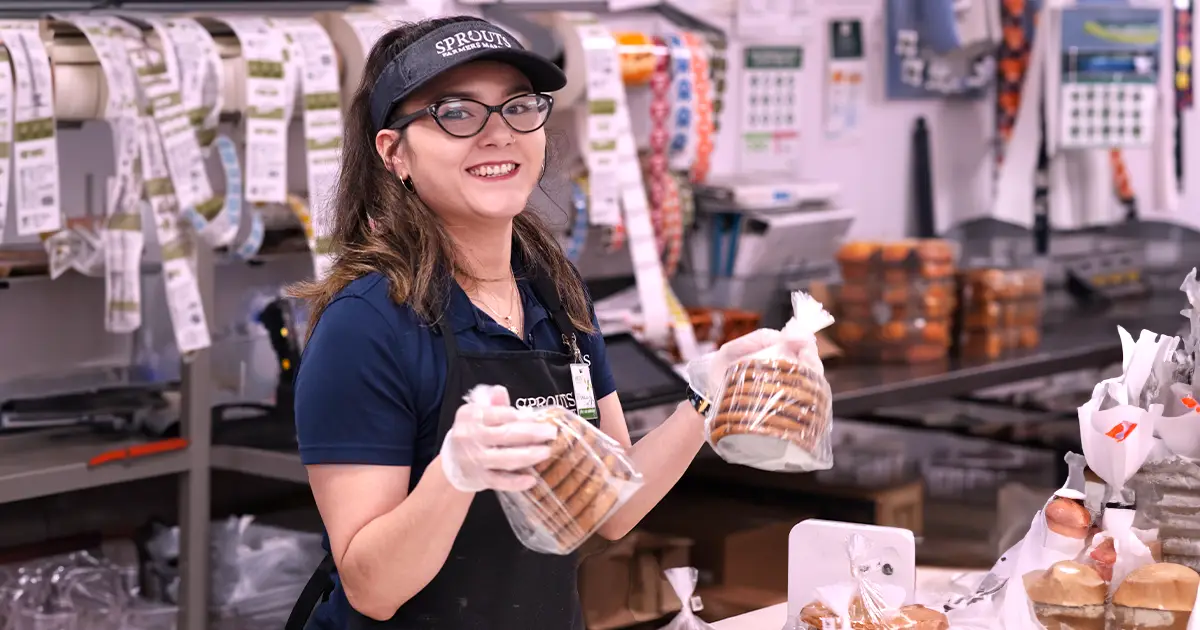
378,226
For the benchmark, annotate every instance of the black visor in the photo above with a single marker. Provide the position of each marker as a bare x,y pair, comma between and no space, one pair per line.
449,47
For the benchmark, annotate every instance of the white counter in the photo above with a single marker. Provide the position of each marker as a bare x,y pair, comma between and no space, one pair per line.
929,580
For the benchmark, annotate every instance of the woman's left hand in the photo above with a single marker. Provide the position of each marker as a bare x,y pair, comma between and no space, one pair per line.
707,371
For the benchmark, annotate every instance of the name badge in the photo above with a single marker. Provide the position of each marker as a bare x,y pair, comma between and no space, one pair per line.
585,398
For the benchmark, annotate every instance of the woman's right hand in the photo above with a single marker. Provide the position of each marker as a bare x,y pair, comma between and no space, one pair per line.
491,446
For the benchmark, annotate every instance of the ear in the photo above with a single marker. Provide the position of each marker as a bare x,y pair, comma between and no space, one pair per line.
391,155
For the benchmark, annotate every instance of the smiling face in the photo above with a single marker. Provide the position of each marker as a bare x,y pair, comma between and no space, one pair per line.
485,178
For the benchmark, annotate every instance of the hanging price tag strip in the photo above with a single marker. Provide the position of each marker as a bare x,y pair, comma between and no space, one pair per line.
683,103
577,239
121,241
7,88
718,50
1183,55
188,319
201,76
660,112
599,126
267,105
321,88
1012,61
643,246
184,159
35,154
704,129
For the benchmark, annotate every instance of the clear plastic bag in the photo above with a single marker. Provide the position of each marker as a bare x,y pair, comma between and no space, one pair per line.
1066,596
863,603
683,582
773,410
585,480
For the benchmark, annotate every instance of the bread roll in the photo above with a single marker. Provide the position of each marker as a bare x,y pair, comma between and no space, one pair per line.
1067,596
1068,517
1158,596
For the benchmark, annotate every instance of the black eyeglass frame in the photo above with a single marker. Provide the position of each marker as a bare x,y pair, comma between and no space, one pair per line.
431,111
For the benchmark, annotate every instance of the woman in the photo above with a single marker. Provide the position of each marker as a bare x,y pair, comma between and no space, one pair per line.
444,282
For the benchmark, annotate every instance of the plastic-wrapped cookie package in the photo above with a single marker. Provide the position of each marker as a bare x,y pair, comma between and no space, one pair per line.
773,408
862,603
585,480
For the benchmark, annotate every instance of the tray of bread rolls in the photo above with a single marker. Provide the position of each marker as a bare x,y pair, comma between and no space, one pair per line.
587,478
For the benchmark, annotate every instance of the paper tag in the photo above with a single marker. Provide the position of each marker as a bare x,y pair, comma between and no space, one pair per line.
6,135
35,154
1121,432
201,76
123,245
267,98
585,397
322,133
188,320
599,124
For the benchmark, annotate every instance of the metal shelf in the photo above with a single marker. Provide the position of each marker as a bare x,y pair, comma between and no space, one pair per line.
38,465
1071,341
259,462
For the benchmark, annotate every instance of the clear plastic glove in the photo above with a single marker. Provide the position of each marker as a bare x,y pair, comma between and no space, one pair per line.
706,373
492,446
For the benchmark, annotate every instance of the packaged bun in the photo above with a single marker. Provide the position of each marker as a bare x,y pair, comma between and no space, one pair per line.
1067,596
1068,517
585,480
1158,596
773,409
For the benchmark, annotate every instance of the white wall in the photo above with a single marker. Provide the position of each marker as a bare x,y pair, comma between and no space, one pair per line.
875,171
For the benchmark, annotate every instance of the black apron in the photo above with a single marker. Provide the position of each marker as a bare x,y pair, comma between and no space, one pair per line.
490,581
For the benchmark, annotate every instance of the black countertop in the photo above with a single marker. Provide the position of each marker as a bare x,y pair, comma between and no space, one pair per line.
1071,340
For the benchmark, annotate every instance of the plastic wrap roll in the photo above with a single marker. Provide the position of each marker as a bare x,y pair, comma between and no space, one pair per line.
353,34
574,55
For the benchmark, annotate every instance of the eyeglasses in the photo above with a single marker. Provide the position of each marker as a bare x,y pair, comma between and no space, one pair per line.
463,117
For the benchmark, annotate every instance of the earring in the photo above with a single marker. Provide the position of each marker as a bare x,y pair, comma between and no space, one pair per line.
406,182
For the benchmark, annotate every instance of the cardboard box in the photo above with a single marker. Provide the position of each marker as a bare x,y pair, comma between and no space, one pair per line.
622,583
723,602
734,543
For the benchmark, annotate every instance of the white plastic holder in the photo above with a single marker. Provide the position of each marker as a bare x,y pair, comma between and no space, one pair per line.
816,559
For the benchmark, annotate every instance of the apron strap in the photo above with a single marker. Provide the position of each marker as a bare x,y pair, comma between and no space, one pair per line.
316,590
547,293
448,407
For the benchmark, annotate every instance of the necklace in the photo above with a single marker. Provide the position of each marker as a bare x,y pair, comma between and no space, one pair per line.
503,320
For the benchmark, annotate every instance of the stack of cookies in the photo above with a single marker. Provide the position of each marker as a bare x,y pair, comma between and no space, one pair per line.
585,479
773,412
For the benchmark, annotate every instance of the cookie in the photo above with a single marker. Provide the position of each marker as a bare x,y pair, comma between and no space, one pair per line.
552,503
791,403
804,436
554,470
590,515
782,371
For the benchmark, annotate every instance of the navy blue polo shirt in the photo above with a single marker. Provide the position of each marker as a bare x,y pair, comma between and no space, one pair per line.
373,373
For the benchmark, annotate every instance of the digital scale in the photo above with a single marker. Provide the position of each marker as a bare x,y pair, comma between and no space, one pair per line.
1109,71
649,386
